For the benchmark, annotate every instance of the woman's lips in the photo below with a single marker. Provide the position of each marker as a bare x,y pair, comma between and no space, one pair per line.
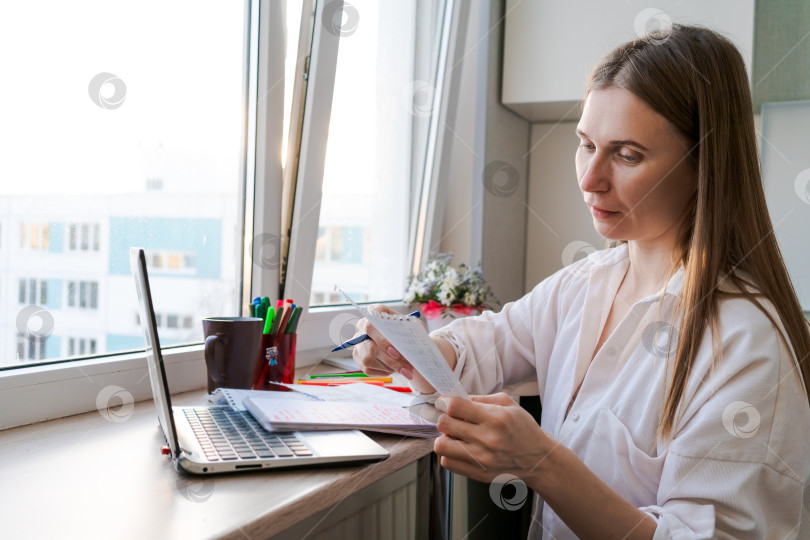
598,213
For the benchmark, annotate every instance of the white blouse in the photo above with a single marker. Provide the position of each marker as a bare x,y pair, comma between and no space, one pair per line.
738,463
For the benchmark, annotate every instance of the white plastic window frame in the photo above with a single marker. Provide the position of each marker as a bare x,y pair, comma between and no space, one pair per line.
321,324
41,392
38,393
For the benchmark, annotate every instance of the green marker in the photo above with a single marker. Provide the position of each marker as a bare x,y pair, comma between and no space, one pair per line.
293,320
268,322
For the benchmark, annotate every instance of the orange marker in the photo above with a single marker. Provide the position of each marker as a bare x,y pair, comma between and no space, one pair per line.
336,383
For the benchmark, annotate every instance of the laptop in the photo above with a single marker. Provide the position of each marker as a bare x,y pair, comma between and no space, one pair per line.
216,439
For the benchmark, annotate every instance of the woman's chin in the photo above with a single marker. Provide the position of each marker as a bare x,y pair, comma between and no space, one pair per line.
607,231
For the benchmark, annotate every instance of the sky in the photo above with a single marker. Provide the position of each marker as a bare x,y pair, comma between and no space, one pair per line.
182,71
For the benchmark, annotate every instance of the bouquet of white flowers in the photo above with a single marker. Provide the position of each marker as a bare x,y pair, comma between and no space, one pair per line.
444,290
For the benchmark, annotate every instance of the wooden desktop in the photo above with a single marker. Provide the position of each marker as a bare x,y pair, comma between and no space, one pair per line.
94,477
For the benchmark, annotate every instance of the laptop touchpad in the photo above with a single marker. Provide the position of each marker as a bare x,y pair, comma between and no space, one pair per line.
340,443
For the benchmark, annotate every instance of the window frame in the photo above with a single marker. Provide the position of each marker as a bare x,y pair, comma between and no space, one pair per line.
45,391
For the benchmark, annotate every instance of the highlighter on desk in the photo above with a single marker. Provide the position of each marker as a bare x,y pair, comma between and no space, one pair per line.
351,379
309,382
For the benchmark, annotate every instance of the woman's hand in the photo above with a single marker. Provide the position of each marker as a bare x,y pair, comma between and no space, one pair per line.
490,436
377,357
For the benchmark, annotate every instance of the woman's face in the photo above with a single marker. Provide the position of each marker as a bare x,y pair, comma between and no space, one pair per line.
633,169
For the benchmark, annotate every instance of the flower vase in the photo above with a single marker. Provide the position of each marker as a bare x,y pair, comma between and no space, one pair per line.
437,315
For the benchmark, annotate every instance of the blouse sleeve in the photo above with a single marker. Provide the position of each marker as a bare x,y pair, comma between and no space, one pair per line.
739,461
495,350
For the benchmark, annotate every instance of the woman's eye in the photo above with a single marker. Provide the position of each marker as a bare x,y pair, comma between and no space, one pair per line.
586,146
629,159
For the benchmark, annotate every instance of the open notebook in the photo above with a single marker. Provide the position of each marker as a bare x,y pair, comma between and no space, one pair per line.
314,408
275,414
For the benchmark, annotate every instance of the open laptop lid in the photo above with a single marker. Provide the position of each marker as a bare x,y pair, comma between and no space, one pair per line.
154,358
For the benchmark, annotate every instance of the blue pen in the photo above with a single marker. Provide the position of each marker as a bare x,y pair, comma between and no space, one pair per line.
359,339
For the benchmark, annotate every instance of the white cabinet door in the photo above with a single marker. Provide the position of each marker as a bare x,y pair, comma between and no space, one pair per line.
550,46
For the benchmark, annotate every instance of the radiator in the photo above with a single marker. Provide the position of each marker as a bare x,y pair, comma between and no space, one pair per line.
385,510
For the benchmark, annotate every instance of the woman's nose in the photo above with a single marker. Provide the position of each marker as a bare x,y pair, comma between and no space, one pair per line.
594,173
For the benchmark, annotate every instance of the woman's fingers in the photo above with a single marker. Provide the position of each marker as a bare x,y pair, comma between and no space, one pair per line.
491,432
457,429
462,457
463,409
467,468
500,398
368,357
377,354
367,328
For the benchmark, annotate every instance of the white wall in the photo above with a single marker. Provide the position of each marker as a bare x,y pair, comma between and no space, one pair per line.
559,228
485,163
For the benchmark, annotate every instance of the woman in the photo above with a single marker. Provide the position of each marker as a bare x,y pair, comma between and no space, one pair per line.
673,366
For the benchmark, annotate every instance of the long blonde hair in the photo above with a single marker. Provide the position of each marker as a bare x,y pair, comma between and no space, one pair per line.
696,79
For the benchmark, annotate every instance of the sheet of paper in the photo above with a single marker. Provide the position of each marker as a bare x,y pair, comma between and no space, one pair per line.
409,336
278,413
360,393
368,393
411,339
235,396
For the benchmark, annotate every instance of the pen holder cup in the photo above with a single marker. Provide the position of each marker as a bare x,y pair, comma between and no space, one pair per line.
276,362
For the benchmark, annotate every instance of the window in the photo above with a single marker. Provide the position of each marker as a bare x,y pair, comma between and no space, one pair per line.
171,262
79,346
136,158
71,300
30,347
87,297
34,236
132,110
84,237
375,153
33,291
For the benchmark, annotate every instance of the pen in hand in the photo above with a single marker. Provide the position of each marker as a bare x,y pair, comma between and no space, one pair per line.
361,338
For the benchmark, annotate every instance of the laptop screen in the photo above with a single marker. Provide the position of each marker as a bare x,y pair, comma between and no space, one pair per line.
154,359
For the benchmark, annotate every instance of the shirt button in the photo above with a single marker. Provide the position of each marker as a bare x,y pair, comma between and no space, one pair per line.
575,416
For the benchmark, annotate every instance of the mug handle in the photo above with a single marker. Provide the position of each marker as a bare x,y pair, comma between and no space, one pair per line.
215,357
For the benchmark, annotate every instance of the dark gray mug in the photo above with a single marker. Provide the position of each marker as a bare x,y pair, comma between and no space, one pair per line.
232,347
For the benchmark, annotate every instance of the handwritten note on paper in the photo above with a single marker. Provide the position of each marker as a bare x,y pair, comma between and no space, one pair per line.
280,415
411,339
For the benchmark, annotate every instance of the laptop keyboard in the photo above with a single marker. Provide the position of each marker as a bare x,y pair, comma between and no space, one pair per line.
225,435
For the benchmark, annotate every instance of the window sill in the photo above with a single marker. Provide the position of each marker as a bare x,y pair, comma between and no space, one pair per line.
38,393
